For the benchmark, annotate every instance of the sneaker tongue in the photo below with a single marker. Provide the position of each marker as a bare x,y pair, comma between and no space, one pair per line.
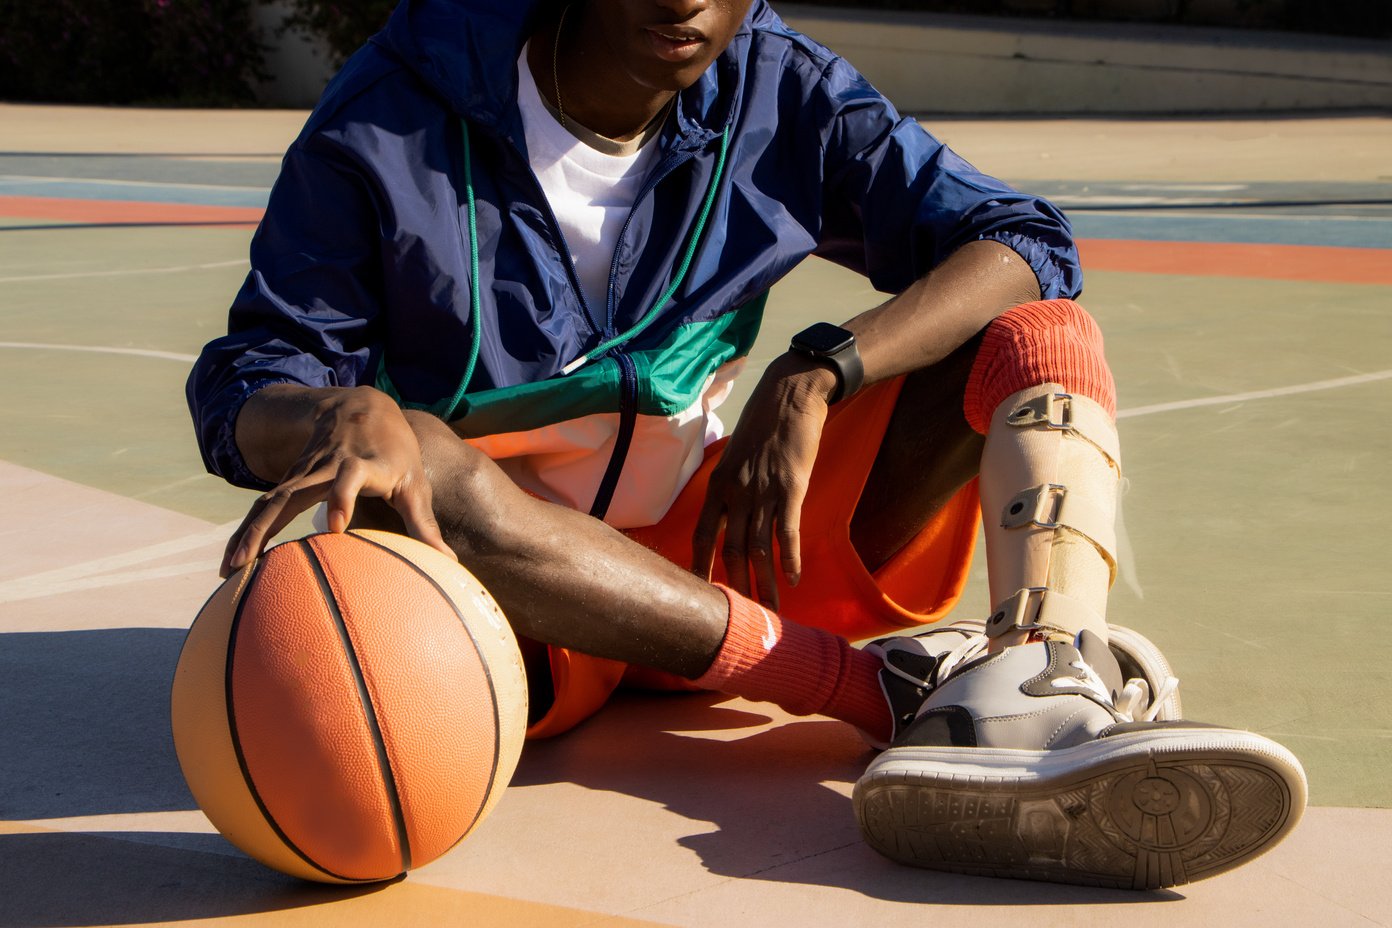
1101,659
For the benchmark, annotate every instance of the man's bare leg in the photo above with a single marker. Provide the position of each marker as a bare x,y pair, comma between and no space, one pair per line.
561,576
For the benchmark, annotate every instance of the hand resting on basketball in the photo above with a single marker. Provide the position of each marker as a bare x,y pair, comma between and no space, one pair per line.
329,444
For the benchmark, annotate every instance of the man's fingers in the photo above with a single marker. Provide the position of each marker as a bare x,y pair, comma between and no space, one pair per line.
760,545
734,553
268,515
790,536
707,532
343,494
414,505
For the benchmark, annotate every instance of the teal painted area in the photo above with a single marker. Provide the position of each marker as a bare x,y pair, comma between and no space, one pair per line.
117,422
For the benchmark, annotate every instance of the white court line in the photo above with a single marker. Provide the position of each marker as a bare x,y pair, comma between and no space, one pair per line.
102,349
106,571
87,574
28,588
128,272
44,178
1255,394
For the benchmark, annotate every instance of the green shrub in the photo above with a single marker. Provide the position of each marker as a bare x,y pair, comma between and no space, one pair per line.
192,52
345,25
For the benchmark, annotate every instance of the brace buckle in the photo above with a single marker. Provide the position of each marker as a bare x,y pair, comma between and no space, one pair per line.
1039,506
1052,410
1010,613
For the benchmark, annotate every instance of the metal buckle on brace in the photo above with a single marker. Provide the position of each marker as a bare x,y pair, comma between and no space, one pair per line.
1011,613
1041,506
1041,409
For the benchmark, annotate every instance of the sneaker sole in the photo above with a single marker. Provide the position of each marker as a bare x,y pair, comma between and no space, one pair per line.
1142,810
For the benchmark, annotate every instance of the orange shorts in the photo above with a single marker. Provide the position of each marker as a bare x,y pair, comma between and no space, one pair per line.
920,584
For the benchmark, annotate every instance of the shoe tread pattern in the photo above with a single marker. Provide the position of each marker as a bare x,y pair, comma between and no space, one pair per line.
1146,824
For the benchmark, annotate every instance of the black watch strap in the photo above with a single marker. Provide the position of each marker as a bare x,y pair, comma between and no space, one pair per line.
837,347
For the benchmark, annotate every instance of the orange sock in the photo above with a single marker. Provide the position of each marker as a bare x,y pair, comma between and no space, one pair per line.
1050,341
803,670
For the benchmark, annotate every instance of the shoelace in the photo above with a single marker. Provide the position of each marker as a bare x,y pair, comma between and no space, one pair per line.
1135,703
968,650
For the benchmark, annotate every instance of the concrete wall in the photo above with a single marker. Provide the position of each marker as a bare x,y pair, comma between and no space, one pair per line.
937,63
967,64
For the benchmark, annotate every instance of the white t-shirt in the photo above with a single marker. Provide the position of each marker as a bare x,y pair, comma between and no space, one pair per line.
591,192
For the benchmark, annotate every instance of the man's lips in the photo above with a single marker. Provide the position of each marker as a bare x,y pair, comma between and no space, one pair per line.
675,43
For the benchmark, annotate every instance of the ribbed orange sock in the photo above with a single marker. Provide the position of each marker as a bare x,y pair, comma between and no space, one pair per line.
803,670
1050,341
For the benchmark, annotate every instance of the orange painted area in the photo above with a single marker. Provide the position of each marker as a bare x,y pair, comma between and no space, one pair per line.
1197,259
124,211
1240,259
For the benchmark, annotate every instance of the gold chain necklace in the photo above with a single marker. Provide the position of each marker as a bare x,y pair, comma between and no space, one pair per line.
555,69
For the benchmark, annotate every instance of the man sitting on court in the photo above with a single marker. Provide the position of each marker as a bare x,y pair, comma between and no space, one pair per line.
506,277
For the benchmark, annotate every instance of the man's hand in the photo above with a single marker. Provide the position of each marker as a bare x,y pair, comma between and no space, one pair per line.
757,489
358,444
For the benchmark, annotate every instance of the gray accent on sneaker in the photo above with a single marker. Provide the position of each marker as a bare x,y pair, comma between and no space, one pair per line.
910,671
1018,766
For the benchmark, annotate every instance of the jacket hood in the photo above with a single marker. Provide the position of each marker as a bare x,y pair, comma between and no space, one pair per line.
466,52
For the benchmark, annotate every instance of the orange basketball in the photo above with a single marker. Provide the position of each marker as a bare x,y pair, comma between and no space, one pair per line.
349,706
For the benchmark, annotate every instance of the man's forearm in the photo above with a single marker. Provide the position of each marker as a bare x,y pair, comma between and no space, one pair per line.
941,311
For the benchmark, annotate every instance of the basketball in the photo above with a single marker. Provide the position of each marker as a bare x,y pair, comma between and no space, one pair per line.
349,706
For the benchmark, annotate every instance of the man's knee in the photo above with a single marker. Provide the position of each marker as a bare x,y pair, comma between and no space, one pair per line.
469,492
1049,341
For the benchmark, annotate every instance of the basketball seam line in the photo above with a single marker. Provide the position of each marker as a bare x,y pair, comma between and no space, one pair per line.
237,741
487,675
369,710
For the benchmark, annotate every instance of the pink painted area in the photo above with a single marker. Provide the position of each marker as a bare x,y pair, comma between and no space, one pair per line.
1240,259
124,211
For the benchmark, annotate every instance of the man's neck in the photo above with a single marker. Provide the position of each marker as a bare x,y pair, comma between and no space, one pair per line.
585,85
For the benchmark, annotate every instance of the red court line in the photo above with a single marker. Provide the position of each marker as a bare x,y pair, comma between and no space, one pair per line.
124,211
1239,259
1201,259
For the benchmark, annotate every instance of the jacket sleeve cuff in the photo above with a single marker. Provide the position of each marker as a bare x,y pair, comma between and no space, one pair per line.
1055,266
224,456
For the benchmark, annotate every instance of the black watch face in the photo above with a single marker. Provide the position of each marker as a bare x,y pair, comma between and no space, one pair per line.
823,338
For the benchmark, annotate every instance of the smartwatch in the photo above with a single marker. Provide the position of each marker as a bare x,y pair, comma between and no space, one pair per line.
837,347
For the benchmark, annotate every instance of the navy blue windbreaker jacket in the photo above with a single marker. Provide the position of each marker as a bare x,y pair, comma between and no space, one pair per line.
361,267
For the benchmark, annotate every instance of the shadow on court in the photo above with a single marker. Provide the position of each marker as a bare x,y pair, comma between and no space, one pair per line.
84,721
53,879
771,796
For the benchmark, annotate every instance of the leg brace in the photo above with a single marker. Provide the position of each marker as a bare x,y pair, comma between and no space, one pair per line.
1041,392
1049,477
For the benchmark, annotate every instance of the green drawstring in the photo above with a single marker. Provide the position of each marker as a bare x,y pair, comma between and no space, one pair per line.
474,288
444,409
681,269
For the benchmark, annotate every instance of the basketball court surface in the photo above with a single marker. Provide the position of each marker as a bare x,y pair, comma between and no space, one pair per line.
1242,273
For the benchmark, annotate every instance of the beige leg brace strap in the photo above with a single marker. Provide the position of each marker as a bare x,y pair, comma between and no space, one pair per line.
1049,477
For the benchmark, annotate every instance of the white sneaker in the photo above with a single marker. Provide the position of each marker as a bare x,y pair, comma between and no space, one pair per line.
1038,763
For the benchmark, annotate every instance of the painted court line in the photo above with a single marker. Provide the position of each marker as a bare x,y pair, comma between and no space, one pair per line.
89,574
101,349
108,182
113,570
128,272
27,588
1255,394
